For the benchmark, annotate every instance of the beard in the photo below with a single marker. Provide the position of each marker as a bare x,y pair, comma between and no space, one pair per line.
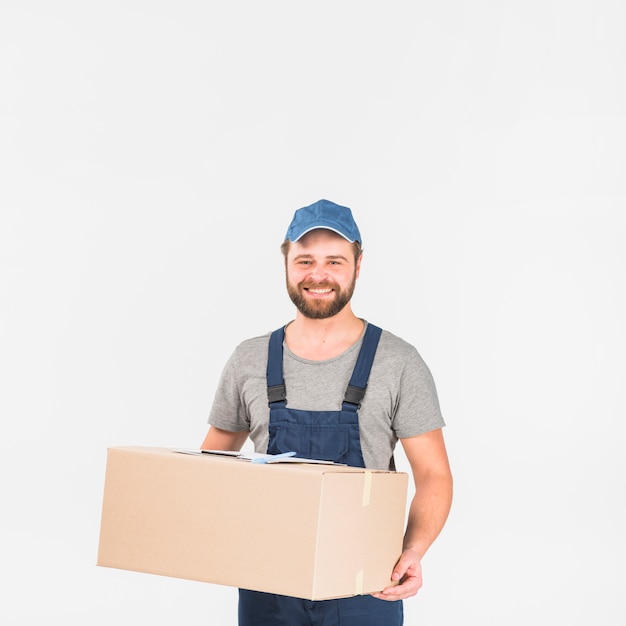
322,308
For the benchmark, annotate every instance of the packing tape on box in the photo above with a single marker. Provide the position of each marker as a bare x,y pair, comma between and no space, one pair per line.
358,587
367,488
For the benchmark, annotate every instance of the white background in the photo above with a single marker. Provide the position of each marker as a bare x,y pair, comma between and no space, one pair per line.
151,157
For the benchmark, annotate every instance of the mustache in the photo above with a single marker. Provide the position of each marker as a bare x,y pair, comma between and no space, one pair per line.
307,284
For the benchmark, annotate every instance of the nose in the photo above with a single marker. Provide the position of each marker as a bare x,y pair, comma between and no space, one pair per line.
318,273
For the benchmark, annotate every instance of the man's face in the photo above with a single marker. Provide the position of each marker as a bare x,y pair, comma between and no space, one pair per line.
321,273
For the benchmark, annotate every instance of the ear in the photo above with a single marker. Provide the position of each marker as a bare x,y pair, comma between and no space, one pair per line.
357,269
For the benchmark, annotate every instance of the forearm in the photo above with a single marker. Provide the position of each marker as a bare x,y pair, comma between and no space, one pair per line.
427,514
218,439
428,511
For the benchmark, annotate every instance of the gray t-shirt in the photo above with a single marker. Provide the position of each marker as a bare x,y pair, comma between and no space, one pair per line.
400,401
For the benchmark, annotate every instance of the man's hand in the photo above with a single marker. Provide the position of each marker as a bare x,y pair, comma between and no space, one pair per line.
408,571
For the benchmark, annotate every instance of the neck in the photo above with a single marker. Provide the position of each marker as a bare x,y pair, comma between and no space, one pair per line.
326,338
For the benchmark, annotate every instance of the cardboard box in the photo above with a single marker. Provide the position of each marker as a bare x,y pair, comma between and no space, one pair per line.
303,530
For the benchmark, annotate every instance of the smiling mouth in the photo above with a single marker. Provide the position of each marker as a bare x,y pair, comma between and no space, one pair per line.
317,290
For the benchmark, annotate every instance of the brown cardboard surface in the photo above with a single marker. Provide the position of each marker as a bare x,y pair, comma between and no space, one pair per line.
310,531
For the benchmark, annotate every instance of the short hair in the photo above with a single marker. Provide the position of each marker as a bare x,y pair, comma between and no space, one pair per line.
356,247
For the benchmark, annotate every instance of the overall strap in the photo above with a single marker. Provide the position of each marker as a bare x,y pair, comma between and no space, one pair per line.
276,391
358,383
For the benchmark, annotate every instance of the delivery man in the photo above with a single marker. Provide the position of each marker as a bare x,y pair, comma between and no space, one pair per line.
330,385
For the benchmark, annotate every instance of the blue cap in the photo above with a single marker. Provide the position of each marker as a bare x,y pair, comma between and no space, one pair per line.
324,214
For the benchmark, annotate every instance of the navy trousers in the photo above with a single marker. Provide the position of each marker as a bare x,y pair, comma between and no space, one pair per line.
268,609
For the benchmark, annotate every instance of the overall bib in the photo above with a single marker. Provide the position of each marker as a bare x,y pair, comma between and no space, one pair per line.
328,436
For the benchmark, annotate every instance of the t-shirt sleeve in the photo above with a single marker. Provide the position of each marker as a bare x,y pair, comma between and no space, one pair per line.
417,409
228,411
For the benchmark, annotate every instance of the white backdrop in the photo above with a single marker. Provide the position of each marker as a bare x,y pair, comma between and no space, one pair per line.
151,157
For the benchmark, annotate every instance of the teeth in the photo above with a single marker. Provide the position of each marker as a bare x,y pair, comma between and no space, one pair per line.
320,290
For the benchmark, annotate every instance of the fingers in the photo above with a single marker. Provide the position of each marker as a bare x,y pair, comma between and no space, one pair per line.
408,588
402,567
408,572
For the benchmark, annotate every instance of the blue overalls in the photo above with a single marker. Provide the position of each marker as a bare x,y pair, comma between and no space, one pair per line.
329,436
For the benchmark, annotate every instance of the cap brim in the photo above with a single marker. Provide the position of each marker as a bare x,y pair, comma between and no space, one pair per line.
308,230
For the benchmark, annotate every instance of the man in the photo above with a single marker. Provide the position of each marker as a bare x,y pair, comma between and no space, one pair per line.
331,386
